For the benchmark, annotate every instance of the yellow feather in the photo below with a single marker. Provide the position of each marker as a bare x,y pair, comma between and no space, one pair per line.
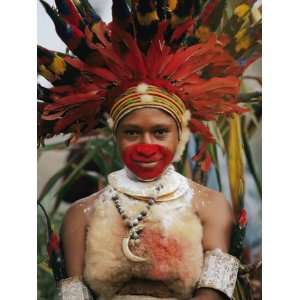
175,20
243,43
46,73
241,33
242,10
172,5
58,65
203,33
147,18
235,163
187,170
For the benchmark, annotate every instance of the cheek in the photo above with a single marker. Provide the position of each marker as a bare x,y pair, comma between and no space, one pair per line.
172,142
125,145
122,143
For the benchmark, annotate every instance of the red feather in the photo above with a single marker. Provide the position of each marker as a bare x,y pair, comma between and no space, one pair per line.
181,29
100,29
114,62
198,127
207,11
134,57
53,116
158,52
101,72
68,10
206,163
86,110
74,39
179,58
231,83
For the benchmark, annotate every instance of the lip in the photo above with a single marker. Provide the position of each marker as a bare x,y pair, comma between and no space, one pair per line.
147,164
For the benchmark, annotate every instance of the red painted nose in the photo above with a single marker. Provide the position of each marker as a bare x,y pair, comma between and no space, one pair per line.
146,150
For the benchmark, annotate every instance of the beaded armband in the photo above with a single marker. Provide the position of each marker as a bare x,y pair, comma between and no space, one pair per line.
73,288
219,272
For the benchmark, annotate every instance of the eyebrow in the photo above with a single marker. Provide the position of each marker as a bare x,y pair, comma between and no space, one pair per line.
130,126
135,126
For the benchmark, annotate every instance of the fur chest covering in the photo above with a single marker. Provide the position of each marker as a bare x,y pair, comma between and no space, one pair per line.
171,243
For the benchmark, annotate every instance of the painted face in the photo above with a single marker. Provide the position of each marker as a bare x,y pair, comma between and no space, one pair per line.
147,139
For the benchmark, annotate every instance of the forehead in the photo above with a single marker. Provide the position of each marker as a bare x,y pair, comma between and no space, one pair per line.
147,117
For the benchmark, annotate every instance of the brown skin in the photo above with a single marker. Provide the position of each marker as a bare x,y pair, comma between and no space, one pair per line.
150,125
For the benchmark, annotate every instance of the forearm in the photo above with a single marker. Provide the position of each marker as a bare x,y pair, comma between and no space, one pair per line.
218,276
209,294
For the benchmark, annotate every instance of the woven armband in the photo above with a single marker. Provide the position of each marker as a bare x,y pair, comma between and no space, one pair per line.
73,288
219,272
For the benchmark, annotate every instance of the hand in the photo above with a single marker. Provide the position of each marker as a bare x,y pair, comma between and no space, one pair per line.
209,294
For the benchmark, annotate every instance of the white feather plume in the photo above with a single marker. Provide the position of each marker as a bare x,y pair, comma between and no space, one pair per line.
184,137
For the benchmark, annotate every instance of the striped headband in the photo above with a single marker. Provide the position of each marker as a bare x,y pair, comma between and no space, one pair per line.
143,96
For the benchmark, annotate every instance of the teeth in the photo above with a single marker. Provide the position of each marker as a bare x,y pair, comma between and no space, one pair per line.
128,253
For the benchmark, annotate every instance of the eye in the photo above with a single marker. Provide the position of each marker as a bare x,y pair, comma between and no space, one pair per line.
131,132
161,132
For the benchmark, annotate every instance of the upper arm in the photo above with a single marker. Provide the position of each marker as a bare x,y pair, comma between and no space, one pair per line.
217,219
73,233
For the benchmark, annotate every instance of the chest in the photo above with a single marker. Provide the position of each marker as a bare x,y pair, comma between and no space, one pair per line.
170,243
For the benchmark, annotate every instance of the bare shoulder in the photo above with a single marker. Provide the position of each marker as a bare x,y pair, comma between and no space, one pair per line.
81,211
209,204
73,233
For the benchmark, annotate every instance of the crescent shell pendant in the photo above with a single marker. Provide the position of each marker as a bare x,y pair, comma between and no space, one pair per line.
128,253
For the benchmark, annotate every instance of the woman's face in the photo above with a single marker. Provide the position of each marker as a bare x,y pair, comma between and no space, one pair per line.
148,138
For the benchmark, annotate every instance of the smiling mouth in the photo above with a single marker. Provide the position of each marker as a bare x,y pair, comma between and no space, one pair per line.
147,164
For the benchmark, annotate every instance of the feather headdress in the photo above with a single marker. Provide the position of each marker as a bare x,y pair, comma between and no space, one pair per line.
188,48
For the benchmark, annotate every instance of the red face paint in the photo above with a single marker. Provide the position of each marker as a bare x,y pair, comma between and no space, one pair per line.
147,161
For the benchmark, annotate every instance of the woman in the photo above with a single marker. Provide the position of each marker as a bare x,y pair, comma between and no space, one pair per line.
172,238
151,233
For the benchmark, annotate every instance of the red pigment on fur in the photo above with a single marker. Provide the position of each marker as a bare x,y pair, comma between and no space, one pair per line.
165,253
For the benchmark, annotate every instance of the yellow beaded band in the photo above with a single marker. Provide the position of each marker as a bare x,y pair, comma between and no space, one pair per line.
145,95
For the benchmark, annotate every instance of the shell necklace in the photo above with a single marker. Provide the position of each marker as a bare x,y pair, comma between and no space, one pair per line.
133,224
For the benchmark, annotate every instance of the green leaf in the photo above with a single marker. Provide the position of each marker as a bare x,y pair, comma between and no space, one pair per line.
54,146
44,266
103,169
215,130
77,169
52,181
212,148
250,160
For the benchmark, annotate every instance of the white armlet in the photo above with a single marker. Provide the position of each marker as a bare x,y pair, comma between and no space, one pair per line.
73,288
219,272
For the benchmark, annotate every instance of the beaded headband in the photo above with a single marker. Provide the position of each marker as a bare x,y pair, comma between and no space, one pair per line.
143,96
